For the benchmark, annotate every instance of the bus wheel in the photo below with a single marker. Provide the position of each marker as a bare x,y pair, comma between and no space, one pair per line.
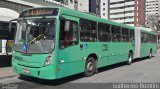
90,67
21,76
150,55
130,58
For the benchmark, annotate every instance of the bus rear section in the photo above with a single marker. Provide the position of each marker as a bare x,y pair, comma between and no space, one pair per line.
145,43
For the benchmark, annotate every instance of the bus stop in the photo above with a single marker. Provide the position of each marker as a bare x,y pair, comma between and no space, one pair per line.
6,38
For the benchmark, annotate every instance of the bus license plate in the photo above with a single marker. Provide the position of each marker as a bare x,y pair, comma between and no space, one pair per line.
26,70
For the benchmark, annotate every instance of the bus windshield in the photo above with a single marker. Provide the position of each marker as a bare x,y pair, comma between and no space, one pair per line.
35,35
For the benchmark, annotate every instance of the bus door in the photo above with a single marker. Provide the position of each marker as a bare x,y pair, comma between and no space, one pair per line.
69,53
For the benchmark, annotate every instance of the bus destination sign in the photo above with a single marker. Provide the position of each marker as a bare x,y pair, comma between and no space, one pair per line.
40,12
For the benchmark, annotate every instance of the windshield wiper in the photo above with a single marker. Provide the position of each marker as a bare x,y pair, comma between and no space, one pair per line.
41,36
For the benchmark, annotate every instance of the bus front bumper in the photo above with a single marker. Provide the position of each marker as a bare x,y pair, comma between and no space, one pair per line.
47,72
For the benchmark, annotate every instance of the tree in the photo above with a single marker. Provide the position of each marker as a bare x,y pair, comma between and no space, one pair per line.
153,21
158,25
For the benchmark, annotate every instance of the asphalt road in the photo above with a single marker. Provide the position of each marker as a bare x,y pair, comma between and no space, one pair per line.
141,71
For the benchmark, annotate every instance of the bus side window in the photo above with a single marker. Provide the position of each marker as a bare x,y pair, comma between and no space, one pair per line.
88,32
104,32
131,35
68,33
116,34
125,35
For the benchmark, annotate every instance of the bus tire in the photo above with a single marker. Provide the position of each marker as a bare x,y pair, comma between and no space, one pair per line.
130,58
21,76
90,67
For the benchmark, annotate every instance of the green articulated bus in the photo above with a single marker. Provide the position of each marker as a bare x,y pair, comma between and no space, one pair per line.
55,42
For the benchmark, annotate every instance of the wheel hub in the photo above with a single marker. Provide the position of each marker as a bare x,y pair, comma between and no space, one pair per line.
130,59
90,66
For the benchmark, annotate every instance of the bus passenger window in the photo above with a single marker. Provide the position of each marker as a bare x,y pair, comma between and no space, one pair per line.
104,32
131,35
88,32
125,35
68,33
116,34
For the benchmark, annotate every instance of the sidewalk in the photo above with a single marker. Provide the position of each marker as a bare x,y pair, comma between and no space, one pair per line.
6,72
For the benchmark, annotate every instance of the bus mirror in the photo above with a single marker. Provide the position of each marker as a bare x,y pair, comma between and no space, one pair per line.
67,25
10,24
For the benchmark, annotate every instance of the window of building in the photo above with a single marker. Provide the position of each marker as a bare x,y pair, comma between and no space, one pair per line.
97,2
88,31
71,1
104,32
68,33
97,11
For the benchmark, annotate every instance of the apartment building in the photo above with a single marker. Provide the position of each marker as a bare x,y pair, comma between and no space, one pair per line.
131,12
104,11
152,8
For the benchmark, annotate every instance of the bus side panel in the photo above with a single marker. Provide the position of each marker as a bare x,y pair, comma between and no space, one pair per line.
120,52
71,61
146,47
104,53
116,53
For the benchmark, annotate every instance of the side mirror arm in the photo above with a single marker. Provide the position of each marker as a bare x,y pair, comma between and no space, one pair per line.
10,24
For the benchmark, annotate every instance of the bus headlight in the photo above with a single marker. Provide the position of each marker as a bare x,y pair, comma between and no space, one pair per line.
48,60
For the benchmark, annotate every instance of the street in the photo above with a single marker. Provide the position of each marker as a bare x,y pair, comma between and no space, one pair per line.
140,71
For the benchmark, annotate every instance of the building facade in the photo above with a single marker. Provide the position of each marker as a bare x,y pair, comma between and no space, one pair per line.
131,12
79,5
104,9
152,8
83,5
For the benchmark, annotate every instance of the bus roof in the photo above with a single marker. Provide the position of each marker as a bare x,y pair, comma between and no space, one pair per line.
74,13
90,17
